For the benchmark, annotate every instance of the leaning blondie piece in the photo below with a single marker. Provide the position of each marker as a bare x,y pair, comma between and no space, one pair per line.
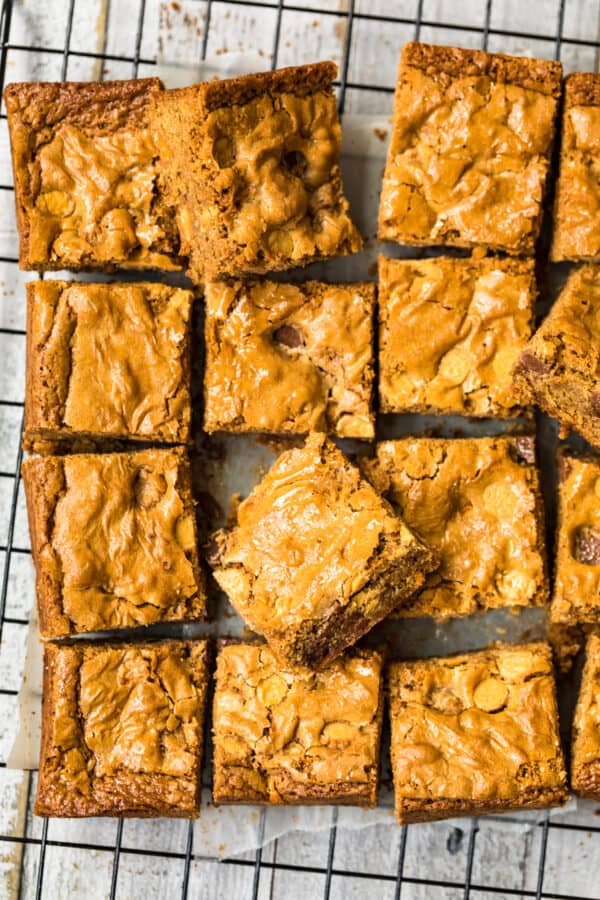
577,200
450,332
317,557
252,165
576,597
106,362
87,188
286,358
285,735
470,150
113,538
585,756
559,368
122,729
477,503
476,733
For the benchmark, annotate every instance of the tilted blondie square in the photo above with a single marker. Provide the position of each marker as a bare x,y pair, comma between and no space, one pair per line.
450,331
477,503
252,166
470,149
288,735
317,557
476,733
122,729
87,188
113,538
287,358
577,200
585,755
106,362
560,367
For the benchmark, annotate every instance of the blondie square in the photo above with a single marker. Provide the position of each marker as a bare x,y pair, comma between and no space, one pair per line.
317,557
585,756
476,733
286,358
577,200
285,735
87,188
107,362
477,503
113,538
470,149
122,729
560,367
252,166
450,332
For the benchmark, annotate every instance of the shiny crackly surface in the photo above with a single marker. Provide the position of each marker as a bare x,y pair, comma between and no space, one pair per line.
310,537
126,554
286,735
450,332
577,574
285,358
468,160
135,341
585,767
474,501
122,728
478,727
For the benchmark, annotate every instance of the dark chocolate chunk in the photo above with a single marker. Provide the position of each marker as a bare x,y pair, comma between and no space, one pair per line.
525,444
288,336
586,545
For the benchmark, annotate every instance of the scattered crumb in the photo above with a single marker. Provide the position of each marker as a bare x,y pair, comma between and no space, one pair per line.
380,133
372,270
176,6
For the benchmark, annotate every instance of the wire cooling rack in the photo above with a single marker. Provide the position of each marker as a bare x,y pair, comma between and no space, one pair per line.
333,864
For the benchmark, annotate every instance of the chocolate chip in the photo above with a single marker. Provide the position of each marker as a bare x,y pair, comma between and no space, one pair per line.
530,362
525,444
288,336
212,551
586,547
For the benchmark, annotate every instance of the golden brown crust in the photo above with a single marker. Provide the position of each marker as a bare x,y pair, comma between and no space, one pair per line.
136,340
475,733
585,756
450,331
65,219
286,358
122,729
582,89
114,559
316,558
285,735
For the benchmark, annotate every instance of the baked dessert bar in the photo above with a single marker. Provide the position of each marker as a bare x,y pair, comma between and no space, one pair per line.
477,503
106,362
577,200
476,733
252,165
558,369
450,332
576,596
470,149
286,358
585,756
122,729
285,735
316,557
113,538
87,189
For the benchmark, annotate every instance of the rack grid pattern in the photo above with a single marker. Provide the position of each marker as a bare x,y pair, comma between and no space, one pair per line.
466,886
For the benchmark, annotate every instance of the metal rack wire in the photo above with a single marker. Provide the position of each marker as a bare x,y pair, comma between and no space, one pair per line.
400,880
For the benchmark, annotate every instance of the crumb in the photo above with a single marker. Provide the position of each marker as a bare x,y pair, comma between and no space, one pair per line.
380,133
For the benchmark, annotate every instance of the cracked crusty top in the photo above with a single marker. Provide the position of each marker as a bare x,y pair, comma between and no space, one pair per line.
450,331
113,558
577,202
481,726
109,360
122,728
576,595
585,765
285,735
86,179
470,148
263,152
476,502
289,358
